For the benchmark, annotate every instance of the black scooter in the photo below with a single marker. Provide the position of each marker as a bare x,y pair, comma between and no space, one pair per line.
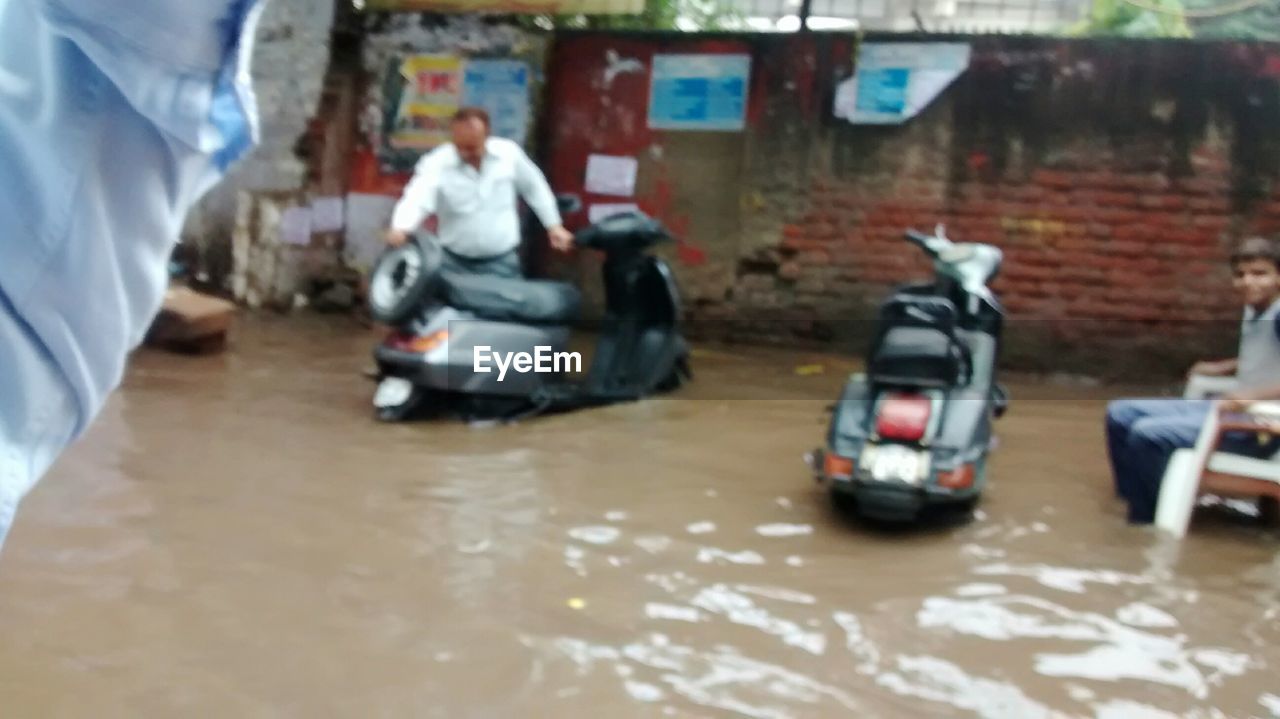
451,332
914,430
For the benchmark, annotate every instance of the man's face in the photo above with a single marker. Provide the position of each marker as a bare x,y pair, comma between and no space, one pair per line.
469,137
1258,282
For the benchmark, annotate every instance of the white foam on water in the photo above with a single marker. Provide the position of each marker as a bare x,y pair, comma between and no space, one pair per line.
784,530
596,535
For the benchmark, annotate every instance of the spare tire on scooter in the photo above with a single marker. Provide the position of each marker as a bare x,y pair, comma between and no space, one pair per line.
402,279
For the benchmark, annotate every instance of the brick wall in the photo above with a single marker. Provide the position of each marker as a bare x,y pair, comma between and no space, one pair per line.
1114,175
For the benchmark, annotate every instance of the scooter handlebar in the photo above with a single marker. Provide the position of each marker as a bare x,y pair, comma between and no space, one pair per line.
631,228
917,237
923,241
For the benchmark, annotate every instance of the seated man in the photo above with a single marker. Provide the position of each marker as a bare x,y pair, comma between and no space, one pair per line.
470,186
1142,434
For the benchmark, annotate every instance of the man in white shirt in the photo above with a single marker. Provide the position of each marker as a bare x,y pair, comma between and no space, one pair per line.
471,185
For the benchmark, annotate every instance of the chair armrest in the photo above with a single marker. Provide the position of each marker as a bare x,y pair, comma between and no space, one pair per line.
1257,417
1264,410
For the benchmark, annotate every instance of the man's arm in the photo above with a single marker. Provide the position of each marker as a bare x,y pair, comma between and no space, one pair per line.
1215,368
532,186
419,199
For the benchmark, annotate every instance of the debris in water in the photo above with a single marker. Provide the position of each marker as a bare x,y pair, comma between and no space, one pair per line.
191,322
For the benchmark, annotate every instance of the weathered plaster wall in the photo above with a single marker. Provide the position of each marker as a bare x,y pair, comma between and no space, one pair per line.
291,55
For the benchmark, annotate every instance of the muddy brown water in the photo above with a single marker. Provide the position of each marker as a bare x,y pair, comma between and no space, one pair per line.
236,538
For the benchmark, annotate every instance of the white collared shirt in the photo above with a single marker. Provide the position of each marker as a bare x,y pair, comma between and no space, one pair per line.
477,209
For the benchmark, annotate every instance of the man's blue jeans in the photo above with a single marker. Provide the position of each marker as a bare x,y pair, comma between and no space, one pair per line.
1142,434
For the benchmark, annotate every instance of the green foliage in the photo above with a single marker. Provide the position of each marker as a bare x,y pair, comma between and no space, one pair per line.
657,15
1124,19
1260,22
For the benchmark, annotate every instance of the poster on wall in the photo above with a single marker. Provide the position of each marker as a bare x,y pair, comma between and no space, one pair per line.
699,92
894,81
431,93
420,94
611,175
502,88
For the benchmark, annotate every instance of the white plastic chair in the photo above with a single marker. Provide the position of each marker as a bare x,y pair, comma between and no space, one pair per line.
1204,470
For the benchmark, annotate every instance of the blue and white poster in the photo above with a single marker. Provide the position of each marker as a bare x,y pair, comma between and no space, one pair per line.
894,81
502,88
699,92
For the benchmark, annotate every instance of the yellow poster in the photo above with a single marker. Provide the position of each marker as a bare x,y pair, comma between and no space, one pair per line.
432,93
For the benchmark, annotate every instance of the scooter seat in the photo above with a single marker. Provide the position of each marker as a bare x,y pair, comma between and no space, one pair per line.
923,356
513,300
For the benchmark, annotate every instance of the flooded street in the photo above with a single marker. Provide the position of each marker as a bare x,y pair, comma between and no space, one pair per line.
237,537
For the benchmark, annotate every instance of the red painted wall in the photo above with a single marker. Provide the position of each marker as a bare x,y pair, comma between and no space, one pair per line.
1114,175
598,100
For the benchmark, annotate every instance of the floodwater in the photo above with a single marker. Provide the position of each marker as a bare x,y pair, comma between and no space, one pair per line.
237,538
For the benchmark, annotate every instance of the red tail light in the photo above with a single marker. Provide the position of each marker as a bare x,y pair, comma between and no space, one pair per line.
903,417
835,466
959,478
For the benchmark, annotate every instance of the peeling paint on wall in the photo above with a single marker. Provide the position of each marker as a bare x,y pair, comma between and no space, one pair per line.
616,65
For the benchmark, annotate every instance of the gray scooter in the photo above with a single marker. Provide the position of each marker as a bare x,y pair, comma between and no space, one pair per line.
444,323
915,429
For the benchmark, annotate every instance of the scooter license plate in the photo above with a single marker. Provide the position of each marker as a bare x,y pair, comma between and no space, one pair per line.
892,462
392,391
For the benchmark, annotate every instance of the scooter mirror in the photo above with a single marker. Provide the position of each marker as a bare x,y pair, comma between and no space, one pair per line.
569,204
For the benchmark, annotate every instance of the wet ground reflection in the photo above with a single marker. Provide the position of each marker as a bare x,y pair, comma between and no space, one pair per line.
237,538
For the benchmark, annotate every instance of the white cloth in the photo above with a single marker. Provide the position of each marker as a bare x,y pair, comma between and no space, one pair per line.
477,209
115,116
